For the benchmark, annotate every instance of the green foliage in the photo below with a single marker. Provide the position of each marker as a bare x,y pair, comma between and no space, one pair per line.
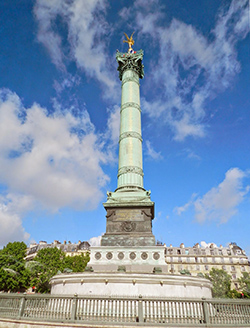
52,261
245,284
76,263
14,276
233,293
221,283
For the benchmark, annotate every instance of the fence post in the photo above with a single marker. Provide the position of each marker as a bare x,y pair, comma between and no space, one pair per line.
74,308
205,311
21,307
140,309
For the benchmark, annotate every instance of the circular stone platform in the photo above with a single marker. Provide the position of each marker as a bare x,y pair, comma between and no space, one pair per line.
130,284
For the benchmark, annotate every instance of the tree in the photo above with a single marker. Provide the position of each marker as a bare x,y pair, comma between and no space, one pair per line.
50,261
245,284
76,263
14,276
221,283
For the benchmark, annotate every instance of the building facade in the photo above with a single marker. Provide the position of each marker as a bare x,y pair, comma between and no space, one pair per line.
70,249
197,260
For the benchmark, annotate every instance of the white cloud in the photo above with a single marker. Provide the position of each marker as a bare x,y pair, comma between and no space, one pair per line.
151,152
44,161
181,209
220,203
43,158
191,154
207,245
191,68
86,41
11,228
114,124
95,241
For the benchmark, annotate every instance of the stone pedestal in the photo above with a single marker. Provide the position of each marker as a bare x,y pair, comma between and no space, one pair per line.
128,259
128,225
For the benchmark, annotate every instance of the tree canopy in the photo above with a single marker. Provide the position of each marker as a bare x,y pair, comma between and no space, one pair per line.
245,284
17,275
50,261
221,283
14,276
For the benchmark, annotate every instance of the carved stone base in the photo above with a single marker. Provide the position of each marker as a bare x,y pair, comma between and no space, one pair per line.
129,226
125,240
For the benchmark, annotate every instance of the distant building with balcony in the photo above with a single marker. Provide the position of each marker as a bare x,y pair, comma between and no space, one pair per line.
196,260
70,249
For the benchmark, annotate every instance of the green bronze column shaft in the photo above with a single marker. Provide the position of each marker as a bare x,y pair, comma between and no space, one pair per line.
130,172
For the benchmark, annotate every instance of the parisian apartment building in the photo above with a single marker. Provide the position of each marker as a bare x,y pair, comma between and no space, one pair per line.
70,249
200,260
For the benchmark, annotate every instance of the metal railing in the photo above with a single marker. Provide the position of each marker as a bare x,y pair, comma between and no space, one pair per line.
127,310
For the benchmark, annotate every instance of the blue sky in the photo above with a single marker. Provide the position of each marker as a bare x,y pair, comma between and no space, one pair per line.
59,117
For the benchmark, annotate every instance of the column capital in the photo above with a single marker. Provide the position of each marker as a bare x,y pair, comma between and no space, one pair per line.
132,61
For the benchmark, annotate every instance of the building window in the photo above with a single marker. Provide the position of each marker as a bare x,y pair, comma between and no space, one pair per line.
243,268
206,267
212,252
233,268
228,252
196,259
197,267
186,251
220,252
178,251
234,276
188,259
205,260
224,268
222,260
179,259
231,260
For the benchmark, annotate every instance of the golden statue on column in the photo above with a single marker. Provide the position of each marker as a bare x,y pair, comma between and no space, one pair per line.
130,42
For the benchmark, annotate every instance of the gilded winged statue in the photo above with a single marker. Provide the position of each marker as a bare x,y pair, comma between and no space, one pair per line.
130,41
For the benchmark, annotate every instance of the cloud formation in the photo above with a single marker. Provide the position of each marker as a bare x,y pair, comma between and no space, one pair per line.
191,67
11,207
95,241
53,160
86,28
151,152
219,203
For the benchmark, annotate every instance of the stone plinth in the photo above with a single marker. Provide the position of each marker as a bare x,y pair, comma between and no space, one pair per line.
128,226
128,259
